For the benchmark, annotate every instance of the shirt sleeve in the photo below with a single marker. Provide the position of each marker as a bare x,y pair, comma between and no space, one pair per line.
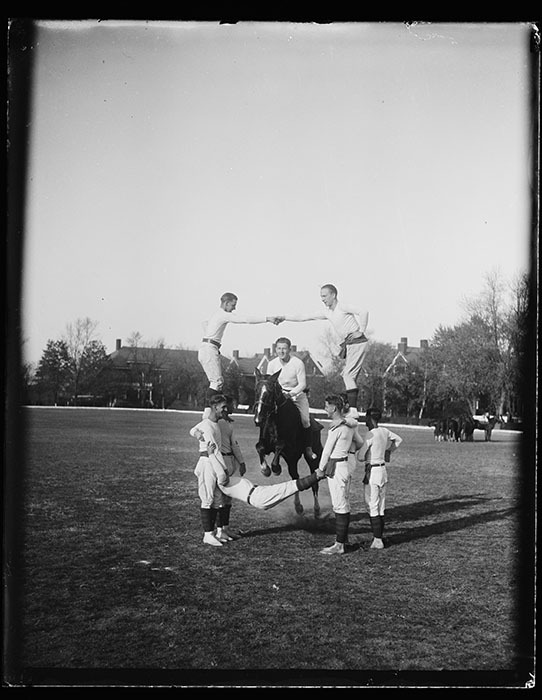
357,441
195,429
393,441
235,448
301,376
361,314
316,316
240,318
328,447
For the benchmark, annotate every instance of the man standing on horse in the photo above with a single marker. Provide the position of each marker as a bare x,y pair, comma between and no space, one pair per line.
350,324
293,380
214,327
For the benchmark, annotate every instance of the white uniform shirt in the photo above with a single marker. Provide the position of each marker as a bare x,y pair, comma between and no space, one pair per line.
339,441
214,328
229,442
379,440
292,377
211,433
344,318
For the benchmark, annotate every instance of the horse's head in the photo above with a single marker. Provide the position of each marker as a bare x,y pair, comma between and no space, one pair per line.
268,394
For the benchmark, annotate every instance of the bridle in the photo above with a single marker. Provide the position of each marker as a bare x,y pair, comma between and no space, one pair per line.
269,400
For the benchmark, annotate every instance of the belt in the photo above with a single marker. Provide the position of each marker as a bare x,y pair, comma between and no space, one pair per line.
338,459
250,494
213,342
378,464
228,454
204,454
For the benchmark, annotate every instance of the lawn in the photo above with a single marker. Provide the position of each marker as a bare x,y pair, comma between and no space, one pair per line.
114,585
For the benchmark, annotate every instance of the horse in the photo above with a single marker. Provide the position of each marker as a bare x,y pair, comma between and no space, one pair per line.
281,432
488,426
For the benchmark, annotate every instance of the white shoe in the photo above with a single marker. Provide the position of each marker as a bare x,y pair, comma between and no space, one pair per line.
223,536
337,548
209,538
377,544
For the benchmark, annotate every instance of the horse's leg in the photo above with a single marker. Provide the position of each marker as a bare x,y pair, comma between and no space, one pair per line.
264,467
275,464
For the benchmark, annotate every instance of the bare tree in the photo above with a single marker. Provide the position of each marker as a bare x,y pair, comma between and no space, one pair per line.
78,336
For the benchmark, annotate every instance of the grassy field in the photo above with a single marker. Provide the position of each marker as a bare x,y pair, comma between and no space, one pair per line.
116,587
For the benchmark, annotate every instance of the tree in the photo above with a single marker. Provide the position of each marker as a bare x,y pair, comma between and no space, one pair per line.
78,336
371,380
93,359
53,375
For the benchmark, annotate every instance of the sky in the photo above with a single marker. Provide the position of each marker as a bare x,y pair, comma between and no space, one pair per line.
170,162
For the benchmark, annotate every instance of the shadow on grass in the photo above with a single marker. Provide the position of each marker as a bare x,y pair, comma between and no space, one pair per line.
422,510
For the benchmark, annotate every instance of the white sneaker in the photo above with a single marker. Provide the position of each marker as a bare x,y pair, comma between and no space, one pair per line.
377,543
209,538
337,548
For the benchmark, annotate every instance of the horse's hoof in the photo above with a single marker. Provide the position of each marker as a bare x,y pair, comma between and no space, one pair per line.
298,508
316,511
277,469
266,471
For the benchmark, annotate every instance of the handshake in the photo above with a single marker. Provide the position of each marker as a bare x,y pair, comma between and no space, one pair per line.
275,319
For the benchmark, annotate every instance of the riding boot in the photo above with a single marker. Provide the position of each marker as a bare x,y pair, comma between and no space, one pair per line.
307,441
342,522
306,482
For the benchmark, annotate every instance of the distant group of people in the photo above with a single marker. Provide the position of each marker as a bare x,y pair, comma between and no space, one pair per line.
221,467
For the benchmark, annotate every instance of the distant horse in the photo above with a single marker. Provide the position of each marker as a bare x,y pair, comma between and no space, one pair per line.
454,433
487,426
281,432
467,425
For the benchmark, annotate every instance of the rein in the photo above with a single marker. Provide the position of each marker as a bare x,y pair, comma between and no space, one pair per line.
273,405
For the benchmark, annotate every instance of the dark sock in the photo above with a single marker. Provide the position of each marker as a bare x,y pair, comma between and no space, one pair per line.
376,526
223,516
214,513
342,521
382,523
206,519
352,396
306,482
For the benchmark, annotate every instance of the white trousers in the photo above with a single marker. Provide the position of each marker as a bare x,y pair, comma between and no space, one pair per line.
355,354
262,497
339,487
302,403
375,491
209,359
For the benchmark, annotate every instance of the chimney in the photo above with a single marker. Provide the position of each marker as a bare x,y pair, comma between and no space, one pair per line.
402,346
424,344
267,353
294,348
119,343
236,354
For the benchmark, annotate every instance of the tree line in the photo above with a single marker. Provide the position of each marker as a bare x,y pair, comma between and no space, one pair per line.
480,362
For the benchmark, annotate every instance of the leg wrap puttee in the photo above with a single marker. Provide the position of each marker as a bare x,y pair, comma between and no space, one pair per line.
306,482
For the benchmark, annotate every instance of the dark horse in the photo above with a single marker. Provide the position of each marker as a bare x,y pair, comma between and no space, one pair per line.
281,432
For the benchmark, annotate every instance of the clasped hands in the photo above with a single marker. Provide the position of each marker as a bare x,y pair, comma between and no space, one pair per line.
275,319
